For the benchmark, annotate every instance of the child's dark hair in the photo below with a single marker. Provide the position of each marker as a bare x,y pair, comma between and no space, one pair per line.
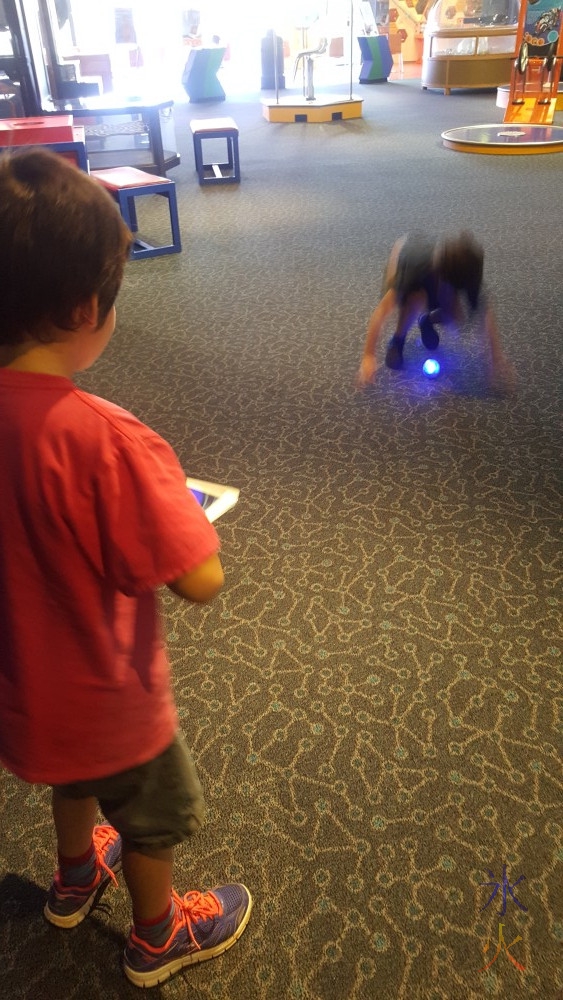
62,241
460,262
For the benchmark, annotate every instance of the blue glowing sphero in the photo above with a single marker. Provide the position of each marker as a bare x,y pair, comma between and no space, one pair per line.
431,368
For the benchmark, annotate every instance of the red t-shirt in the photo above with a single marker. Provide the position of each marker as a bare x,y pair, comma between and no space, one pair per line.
94,514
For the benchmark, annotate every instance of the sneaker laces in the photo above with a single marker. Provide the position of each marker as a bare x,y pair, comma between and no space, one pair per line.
104,836
196,906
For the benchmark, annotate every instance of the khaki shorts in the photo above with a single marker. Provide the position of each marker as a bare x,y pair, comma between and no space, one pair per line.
153,806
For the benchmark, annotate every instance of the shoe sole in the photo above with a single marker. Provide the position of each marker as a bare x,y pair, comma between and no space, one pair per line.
157,976
73,919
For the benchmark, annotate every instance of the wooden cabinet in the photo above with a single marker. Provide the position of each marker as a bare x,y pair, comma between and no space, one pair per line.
469,44
472,58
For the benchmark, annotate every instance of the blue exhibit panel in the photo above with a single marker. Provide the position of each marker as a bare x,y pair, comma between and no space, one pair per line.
200,75
377,61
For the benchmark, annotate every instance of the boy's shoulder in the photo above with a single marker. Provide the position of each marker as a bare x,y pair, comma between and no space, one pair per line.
114,435
105,429
56,410
115,417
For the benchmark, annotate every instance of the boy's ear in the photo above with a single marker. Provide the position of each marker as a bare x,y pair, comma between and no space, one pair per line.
86,314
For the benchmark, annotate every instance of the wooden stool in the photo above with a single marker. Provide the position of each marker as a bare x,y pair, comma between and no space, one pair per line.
127,183
216,128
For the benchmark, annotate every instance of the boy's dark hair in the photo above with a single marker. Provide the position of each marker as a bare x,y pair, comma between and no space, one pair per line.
62,241
460,263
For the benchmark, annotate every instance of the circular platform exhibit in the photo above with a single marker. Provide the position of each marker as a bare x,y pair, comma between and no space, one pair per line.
508,138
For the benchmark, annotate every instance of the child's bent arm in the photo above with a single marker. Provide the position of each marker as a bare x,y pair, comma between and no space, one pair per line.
200,584
492,336
368,364
503,374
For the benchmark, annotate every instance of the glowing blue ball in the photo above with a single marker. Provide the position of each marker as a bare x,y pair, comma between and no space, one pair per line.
431,368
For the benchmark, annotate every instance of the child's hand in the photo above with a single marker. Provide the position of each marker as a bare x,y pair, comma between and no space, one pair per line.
366,372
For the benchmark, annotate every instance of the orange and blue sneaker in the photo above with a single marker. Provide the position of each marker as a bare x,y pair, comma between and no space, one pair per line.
205,925
67,905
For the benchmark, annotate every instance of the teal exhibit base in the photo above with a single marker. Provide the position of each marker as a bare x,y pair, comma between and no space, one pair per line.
377,61
199,78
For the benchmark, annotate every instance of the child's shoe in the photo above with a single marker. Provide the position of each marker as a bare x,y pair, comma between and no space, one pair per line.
394,354
428,334
206,925
67,905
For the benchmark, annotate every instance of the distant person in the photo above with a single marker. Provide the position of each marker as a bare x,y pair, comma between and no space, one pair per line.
95,515
437,284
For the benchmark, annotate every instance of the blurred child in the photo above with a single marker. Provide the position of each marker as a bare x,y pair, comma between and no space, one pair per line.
434,284
95,515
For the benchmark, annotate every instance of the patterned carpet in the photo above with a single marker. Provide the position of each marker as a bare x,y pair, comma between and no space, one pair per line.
373,702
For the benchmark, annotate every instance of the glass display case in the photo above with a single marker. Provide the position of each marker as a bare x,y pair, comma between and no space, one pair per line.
469,44
134,132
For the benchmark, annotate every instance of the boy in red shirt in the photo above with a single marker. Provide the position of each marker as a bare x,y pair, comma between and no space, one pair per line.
95,515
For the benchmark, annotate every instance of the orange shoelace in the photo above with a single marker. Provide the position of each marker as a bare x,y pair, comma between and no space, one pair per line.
103,837
196,906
